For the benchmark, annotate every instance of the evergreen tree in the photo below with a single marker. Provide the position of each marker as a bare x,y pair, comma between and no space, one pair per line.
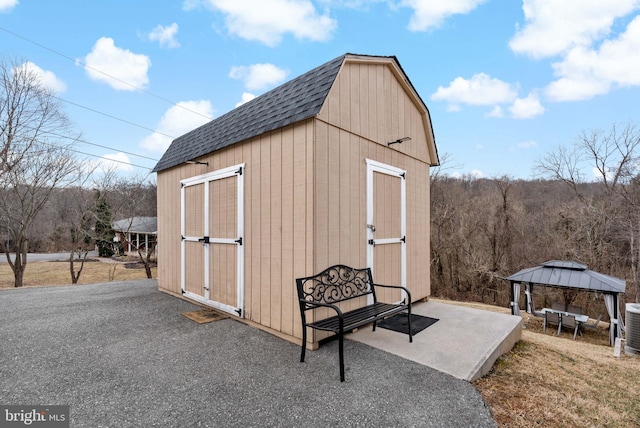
104,231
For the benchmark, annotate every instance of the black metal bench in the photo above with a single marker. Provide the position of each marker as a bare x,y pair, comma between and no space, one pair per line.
337,284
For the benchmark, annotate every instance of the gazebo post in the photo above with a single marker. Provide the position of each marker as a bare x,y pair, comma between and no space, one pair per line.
528,293
515,310
616,315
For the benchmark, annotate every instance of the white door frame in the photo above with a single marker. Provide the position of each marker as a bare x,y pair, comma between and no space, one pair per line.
236,170
378,167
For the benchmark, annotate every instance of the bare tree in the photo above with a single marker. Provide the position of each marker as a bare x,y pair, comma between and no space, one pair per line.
610,214
32,160
26,188
139,194
76,212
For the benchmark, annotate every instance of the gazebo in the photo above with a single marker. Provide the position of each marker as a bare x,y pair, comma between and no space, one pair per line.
570,275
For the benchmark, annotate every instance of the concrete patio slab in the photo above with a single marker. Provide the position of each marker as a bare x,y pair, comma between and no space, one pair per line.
464,343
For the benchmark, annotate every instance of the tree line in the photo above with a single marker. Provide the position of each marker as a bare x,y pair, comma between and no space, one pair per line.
583,206
50,199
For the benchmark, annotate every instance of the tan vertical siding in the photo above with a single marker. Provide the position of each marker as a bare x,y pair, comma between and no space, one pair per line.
287,236
305,195
384,112
390,114
278,221
265,231
276,232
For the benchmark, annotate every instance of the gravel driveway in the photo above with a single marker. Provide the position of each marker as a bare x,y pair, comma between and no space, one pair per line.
122,355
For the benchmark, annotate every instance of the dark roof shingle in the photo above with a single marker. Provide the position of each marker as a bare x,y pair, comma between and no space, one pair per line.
296,100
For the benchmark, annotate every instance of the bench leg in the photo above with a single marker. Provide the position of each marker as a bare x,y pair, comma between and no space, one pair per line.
304,343
409,324
341,351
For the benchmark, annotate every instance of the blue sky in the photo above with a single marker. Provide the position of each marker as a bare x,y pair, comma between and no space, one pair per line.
505,81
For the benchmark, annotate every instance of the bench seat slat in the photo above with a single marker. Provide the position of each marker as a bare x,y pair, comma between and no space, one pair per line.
358,317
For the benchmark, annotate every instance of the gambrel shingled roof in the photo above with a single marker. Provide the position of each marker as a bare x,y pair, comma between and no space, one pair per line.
298,99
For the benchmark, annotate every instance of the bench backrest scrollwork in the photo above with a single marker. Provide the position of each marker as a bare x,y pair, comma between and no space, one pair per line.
336,284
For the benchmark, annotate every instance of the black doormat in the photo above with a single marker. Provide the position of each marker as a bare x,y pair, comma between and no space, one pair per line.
399,323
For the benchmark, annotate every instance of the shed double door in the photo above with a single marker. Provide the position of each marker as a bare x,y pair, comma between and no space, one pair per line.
212,251
386,227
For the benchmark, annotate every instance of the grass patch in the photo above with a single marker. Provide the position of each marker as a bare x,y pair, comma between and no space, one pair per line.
57,273
546,380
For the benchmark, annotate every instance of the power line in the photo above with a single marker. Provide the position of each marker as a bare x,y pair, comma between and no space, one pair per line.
109,159
113,117
101,146
75,61
96,156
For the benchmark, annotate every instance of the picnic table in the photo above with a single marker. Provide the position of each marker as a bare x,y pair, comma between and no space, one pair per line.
579,318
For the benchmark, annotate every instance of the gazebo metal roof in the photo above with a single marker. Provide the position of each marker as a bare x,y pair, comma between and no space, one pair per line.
569,274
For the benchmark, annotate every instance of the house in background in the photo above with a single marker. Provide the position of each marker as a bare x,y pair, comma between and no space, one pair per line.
330,167
136,233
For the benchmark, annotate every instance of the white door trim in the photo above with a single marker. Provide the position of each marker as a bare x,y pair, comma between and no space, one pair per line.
235,170
378,167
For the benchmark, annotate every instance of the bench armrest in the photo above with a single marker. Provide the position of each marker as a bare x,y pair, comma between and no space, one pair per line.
398,287
312,305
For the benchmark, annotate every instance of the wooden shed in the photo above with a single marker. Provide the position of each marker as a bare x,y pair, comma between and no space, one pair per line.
330,167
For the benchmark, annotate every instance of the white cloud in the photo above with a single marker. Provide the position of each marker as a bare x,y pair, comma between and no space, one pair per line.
190,4
480,90
7,5
587,72
179,119
47,78
350,4
115,162
526,108
166,36
598,175
259,76
476,173
246,97
496,112
524,145
527,145
119,68
267,21
431,13
553,27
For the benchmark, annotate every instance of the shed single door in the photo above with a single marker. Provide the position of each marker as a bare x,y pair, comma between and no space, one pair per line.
386,227
212,250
